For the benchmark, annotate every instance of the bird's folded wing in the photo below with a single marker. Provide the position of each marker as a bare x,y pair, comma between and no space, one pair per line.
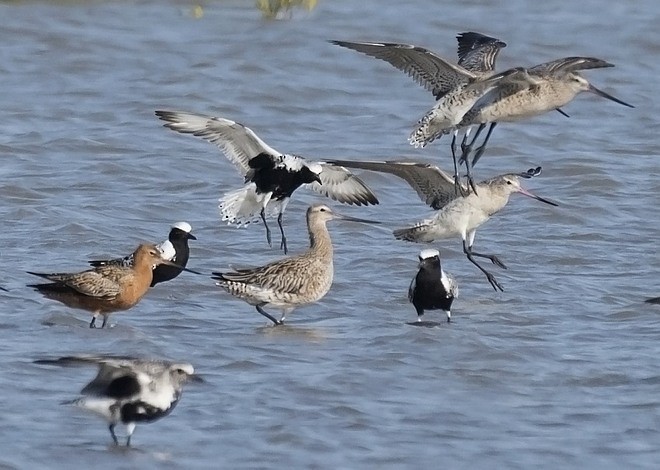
93,284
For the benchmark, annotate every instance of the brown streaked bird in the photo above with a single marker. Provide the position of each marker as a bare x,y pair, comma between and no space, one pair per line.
105,289
294,281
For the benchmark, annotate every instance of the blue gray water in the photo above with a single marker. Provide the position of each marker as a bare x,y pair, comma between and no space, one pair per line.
559,371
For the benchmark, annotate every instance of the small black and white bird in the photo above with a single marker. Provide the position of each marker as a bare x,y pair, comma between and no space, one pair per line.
174,249
432,288
128,390
271,176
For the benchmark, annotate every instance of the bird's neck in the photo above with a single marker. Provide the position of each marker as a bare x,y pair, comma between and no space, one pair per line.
319,237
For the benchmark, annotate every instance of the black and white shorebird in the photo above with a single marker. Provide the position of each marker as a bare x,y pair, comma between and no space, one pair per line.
174,249
457,215
271,176
129,391
432,288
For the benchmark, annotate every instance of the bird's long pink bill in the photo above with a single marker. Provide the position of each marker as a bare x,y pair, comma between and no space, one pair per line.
595,90
538,198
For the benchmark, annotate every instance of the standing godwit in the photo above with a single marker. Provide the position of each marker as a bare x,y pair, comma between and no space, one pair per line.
457,216
128,390
174,249
291,282
543,88
432,288
271,176
105,289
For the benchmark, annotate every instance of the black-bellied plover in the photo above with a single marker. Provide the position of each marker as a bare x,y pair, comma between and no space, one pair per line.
271,176
174,249
129,391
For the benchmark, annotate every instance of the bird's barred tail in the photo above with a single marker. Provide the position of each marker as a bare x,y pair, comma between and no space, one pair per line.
410,234
424,134
240,207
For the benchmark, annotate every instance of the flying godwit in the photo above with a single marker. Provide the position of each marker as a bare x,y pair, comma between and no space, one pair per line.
476,52
105,289
291,282
174,249
432,288
271,176
457,216
128,390
542,88
455,87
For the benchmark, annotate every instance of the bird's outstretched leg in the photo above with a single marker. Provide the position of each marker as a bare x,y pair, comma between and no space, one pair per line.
480,150
112,433
268,315
92,324
470,255
283,242
105,320
263,217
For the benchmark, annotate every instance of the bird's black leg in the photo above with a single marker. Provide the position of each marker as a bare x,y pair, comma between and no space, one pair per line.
480,151
283,242
470,255
263,217
467,148
268,315
105,320
112,433
92,324
457,177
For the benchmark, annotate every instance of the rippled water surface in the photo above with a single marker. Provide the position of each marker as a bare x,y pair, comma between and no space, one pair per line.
560,370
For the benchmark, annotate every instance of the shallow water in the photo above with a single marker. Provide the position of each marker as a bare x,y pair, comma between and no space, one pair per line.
560,370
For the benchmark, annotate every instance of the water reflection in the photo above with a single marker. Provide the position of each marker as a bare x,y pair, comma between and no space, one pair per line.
283,9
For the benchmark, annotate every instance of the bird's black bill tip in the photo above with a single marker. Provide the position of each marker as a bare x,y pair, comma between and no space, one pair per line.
608,96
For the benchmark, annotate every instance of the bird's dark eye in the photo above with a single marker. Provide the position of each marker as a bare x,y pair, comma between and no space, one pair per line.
322,209
508,182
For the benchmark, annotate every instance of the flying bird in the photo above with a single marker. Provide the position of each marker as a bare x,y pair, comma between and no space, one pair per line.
457,215
271,176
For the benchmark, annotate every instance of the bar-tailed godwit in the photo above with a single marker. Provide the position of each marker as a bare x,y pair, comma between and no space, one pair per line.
290,282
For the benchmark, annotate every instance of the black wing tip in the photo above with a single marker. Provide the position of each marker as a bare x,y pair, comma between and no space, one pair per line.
97,263
653,300
532,172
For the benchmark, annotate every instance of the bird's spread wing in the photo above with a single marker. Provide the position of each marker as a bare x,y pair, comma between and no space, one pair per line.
434,186
239,143
478,52
427,69
341,185
569,64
